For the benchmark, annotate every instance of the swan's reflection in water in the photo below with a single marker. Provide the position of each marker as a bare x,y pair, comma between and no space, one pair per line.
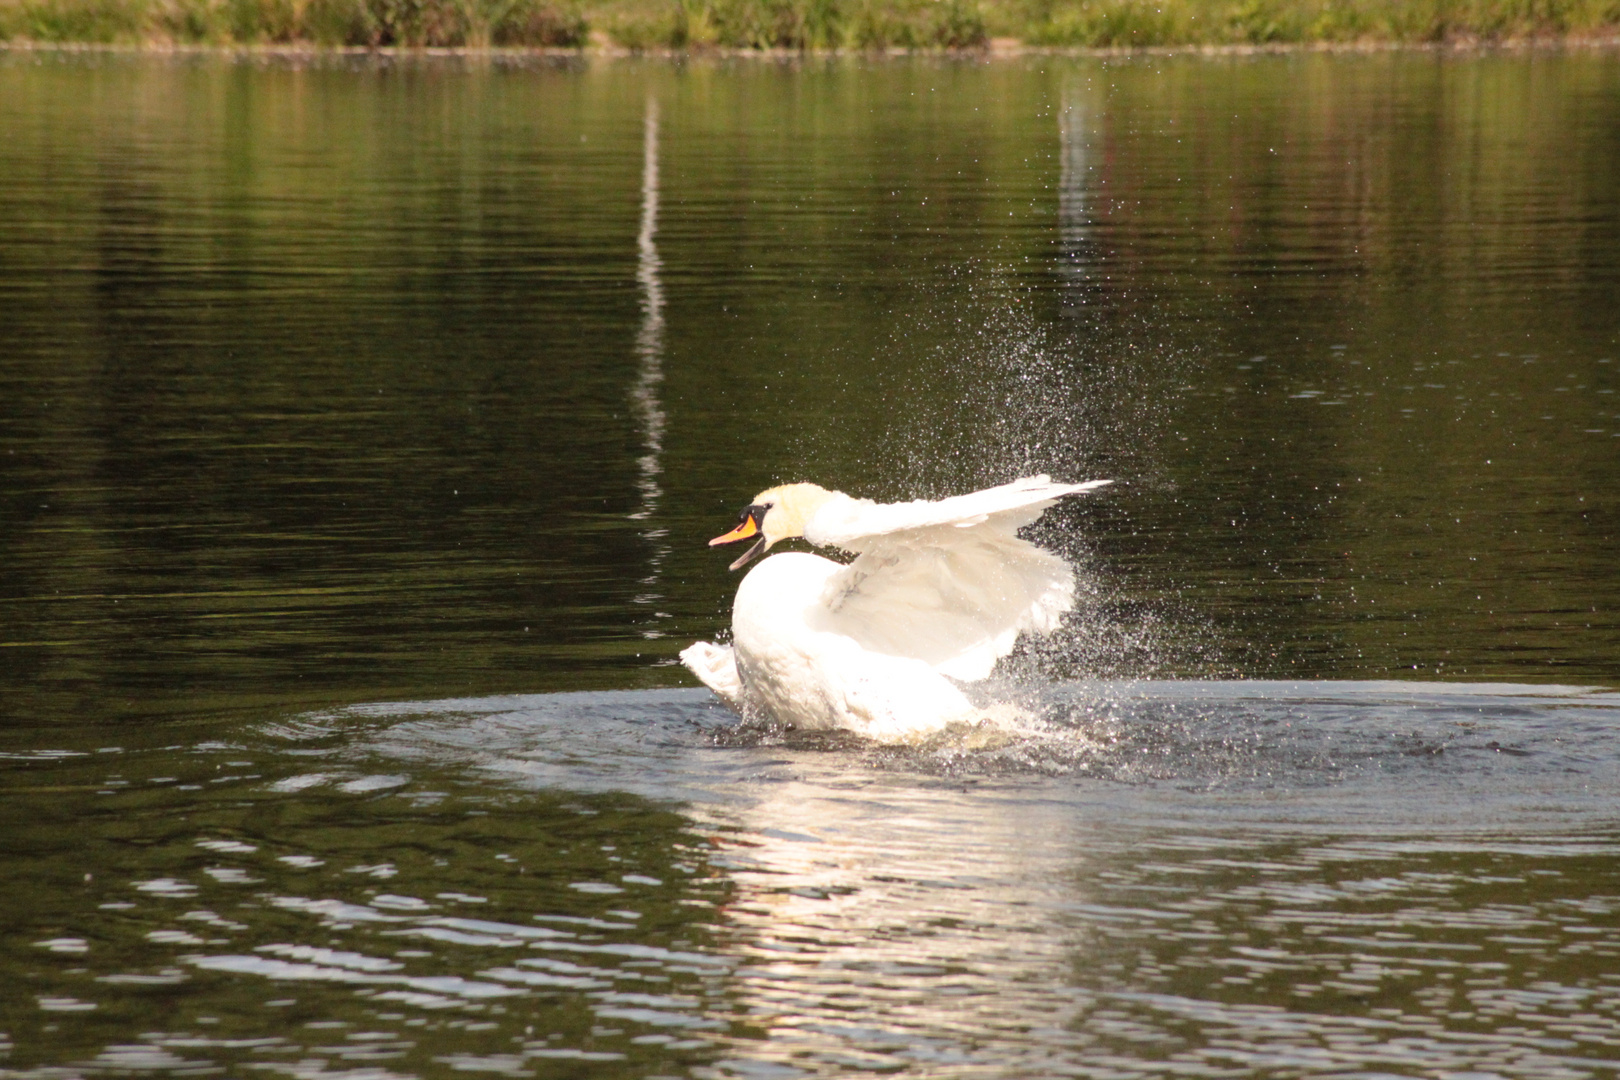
880,926
1272,877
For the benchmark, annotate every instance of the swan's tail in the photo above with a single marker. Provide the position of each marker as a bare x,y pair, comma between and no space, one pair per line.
716,665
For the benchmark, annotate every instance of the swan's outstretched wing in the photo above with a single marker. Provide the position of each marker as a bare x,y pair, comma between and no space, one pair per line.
852,523
948,582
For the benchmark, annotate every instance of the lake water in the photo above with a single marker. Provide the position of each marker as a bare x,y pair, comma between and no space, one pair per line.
362,422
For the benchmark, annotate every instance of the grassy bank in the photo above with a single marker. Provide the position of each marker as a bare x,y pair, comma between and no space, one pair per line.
799,24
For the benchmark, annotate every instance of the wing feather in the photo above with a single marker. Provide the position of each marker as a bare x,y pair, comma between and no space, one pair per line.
949,582
850,523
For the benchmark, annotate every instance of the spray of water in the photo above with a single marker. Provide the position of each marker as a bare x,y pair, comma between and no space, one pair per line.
999,369
1009,386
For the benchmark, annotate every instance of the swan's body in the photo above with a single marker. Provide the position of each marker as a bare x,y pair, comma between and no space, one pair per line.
938,592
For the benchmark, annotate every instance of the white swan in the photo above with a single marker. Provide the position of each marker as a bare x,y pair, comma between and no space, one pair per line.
938,591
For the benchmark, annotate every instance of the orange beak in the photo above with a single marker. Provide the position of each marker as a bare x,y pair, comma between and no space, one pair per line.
746,529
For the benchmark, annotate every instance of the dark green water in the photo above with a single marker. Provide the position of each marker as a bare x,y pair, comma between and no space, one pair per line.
362,423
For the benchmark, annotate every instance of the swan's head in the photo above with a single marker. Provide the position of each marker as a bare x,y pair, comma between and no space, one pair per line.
778,513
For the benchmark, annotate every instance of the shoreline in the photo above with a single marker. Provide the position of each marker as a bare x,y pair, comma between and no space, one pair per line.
775,29
996,49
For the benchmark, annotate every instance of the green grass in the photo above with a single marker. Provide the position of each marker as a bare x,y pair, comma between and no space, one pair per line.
409,23
1136,23
794,24
798,24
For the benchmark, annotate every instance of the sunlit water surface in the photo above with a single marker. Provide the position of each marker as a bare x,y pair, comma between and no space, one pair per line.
1186,877
361,423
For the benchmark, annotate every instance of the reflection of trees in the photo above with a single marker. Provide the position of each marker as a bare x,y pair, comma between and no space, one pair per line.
329,355
1406,210
314,397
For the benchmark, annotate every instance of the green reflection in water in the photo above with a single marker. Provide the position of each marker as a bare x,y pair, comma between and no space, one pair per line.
318,377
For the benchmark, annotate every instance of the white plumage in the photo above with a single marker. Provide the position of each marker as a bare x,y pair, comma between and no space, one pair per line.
938,591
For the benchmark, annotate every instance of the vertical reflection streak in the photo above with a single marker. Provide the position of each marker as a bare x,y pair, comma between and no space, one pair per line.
644,395
1074,227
